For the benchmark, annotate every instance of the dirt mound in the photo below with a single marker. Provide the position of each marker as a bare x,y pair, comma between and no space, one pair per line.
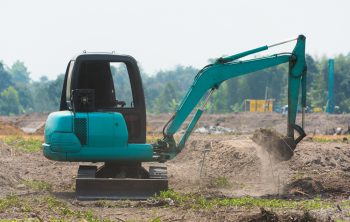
304,187
235,166
280,147
27,123
9,129
270,216
264,215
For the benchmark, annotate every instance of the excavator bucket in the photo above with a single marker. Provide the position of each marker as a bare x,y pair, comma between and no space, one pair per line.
278,146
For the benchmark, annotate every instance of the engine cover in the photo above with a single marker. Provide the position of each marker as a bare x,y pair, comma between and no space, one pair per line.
91,137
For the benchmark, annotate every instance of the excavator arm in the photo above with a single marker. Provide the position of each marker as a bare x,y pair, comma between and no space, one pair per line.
210,78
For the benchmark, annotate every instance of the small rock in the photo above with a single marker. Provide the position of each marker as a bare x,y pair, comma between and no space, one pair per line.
21,186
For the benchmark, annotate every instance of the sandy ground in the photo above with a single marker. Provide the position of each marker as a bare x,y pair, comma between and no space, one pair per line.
317,169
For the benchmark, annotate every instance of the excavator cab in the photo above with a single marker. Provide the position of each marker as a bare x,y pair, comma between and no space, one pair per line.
106,83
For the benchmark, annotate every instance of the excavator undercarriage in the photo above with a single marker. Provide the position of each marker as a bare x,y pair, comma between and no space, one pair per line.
120,181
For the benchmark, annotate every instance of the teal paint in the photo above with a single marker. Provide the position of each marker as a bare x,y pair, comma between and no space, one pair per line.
58,122
107,129
330,102
297,69
189,130
212,77
133,152
242,54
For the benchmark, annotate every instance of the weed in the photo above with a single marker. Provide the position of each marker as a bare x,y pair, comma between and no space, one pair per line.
330,138
197,201
27,144
297,176
345,204
157,219
38,185
54,208
175,196
152,138
9,201
64,211
221,182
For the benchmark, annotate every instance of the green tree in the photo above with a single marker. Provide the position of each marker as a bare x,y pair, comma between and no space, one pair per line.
166,99
10,104
5,78
19,73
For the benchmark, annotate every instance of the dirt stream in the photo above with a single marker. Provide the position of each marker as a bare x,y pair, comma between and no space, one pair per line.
243,167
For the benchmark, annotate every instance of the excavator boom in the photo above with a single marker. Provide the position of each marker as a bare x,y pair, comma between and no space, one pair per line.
210,78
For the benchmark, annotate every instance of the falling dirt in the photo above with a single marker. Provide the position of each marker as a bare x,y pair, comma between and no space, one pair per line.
279,147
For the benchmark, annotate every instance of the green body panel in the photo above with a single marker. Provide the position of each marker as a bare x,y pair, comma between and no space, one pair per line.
65,142
91,137
58,122
132,152
107,129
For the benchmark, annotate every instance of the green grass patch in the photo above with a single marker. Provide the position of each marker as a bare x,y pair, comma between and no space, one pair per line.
298,175
38,185
65,213
26,144
329,139
221,182
197,201
55,209
345,204
152,138
9,201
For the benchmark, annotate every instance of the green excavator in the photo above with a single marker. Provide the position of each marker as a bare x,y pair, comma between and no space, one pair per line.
95,125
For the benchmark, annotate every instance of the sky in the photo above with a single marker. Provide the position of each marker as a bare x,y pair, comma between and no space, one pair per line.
161,34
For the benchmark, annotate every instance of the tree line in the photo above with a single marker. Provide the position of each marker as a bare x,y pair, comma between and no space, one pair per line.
164,90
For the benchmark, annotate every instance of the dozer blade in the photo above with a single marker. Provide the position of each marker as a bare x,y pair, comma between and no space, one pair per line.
279,147
116,189
88,187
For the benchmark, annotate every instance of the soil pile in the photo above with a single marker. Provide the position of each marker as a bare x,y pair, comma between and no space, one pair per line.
9,129
304,187
27,123
236,166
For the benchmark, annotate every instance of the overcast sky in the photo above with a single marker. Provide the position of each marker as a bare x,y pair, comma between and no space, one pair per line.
161,34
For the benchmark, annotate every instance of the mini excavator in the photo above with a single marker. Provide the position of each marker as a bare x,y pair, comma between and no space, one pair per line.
94,125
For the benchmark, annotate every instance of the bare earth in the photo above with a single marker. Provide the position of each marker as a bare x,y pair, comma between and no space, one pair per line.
317,169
